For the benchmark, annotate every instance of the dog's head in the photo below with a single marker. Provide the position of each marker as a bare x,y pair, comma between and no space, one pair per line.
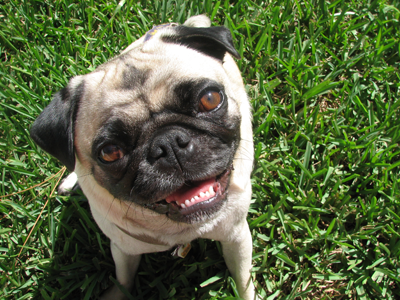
159,125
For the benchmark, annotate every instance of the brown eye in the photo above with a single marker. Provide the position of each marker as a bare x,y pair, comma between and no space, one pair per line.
111,153
210,101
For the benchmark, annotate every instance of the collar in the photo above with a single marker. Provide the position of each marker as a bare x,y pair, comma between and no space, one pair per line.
144,238
180,250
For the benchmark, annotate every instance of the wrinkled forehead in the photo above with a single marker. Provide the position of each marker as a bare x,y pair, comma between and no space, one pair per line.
138,84
152,76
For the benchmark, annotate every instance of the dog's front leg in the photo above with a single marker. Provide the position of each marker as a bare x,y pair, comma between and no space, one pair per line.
238,258
125,269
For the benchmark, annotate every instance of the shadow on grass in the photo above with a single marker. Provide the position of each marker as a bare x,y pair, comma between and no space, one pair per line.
81,266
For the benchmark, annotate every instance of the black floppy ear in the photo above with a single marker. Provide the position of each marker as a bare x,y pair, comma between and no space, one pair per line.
212,41
53,130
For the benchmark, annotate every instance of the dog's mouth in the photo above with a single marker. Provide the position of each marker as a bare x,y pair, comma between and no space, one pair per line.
195,199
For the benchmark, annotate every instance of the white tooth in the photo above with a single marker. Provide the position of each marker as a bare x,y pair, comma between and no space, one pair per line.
211,190
202,194
183,205
192,200
208,194
187,202
196,197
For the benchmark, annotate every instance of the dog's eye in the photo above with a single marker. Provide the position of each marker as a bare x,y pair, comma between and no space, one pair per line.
210,101
111,153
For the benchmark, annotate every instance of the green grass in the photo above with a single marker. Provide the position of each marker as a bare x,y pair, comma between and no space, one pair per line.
323,78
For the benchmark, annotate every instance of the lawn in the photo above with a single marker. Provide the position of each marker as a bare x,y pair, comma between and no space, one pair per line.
324,83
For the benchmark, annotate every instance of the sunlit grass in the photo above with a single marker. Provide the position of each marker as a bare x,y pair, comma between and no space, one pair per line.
323,78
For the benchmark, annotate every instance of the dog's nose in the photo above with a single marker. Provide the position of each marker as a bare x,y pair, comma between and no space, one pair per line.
171,148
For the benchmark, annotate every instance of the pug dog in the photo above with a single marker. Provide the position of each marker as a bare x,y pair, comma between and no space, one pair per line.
160,142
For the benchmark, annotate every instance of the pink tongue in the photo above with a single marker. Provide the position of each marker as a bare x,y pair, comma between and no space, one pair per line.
187,193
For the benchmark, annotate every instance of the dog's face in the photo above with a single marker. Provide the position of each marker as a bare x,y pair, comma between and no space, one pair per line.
157,126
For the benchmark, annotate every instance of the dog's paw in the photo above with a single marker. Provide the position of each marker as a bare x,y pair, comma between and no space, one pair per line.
68,185
113,293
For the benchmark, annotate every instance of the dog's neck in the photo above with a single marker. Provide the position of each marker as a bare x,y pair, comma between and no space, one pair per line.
143,238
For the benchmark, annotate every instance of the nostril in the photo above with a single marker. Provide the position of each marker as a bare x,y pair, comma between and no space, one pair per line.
182,141
171,147
158,151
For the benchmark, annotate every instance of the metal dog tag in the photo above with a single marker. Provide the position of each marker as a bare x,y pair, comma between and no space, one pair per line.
181,250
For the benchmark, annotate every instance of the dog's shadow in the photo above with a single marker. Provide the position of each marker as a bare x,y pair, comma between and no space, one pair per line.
82,266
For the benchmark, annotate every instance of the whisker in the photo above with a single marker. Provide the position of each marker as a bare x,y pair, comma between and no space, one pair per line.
243,159
105,217
246,140
126,214
85,175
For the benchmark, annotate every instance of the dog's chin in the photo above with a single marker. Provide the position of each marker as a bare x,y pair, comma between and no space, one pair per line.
195,201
